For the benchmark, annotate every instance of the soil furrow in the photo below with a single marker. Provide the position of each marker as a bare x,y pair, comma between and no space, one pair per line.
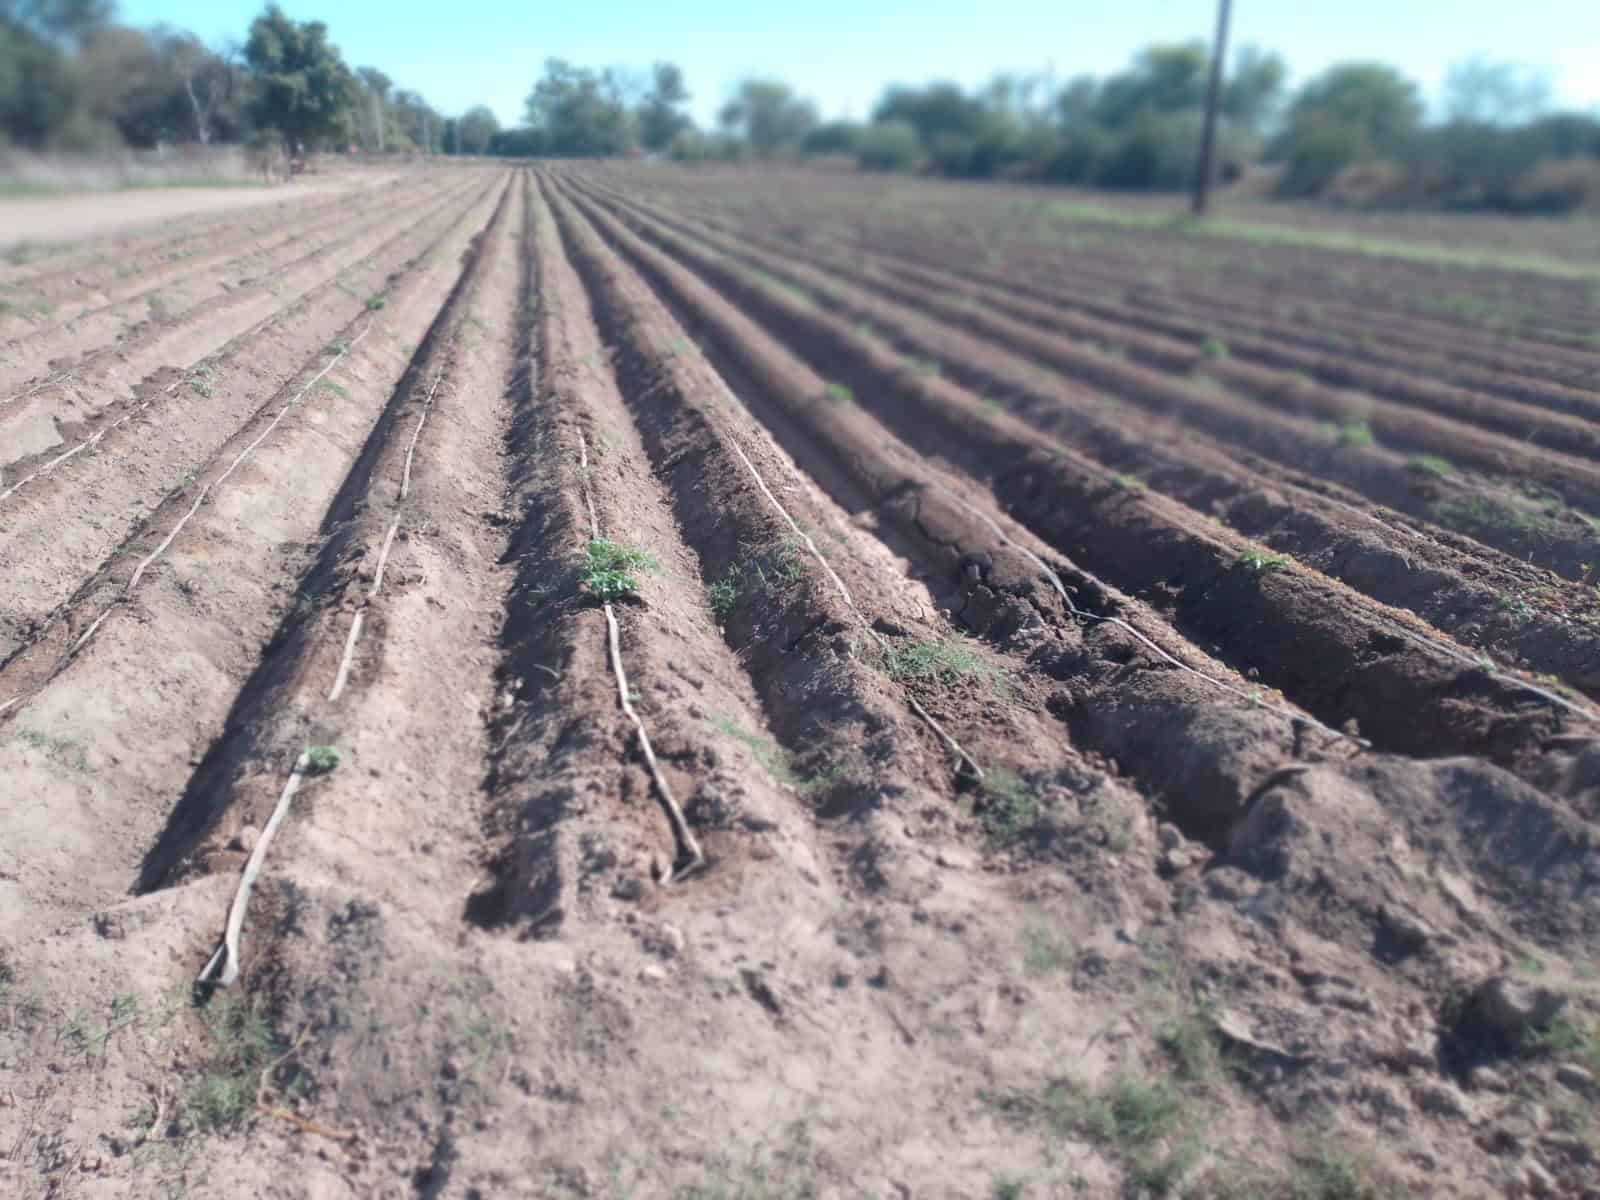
161,443
64,345
43,415
1488,602
1440,495
201,621
1277,622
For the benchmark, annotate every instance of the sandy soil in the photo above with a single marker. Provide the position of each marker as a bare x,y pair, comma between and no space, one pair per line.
72,218
727,689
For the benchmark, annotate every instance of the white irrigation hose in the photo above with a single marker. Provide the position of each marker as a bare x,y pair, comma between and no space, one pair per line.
227,952
347,659
844,592
166,542
680,824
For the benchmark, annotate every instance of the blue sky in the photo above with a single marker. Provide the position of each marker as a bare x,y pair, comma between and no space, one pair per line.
842,52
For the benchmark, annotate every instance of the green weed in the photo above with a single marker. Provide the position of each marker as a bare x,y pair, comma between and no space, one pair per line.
338,389
1262,562
1010,808
724,595
608,570
1044,953
1355,433
375,303
1214,348
839,394
64,750
945,660
1190,1042
321,759
1431,465
242,1046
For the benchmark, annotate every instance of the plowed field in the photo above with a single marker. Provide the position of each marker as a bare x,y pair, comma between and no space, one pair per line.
619,681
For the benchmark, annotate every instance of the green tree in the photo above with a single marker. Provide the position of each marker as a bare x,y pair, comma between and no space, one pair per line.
304,90
578,112
1480,91
889,146
476,129
935,111
661,115
1162,79
375,87
1253,92
768,115
1373,100
39,90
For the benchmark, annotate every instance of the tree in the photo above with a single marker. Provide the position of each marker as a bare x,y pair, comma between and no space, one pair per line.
376,85
1254,91
476,129
1163,79
38,87
1372,100
304,90
935,111
1481,92
769,117
661,115
578,112
889,146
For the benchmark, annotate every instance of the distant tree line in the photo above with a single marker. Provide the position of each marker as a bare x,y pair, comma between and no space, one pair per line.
73,78
1356,132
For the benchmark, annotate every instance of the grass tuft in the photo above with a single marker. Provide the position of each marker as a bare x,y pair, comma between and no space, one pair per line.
608,570
1262,562
1010,808
242,1046
1214,348
1431,465
321,759
1357,434
838,393
375,303
944,660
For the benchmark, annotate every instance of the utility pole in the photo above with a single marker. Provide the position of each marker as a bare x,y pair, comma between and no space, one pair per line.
1208,132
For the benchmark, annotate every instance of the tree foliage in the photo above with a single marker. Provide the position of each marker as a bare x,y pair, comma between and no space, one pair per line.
768,115
660,115
304,91
578,112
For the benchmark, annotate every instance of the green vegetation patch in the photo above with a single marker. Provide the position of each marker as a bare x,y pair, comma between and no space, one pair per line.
943,660
608,570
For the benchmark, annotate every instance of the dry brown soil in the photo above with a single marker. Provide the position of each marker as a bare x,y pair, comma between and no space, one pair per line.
756,684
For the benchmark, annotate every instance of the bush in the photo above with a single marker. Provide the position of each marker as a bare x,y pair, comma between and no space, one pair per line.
889,146
688,146
1315,151
1559,186
835,137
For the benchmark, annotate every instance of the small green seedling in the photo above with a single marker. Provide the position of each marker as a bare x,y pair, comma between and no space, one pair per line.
374,303
608,571
839,394
1262,562
321,759
1355,434
1214,348
1431,465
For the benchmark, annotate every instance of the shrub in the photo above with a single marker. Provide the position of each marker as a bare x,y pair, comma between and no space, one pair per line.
889,146
688,146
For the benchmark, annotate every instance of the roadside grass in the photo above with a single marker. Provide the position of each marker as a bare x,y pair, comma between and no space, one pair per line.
608,570
1225,229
